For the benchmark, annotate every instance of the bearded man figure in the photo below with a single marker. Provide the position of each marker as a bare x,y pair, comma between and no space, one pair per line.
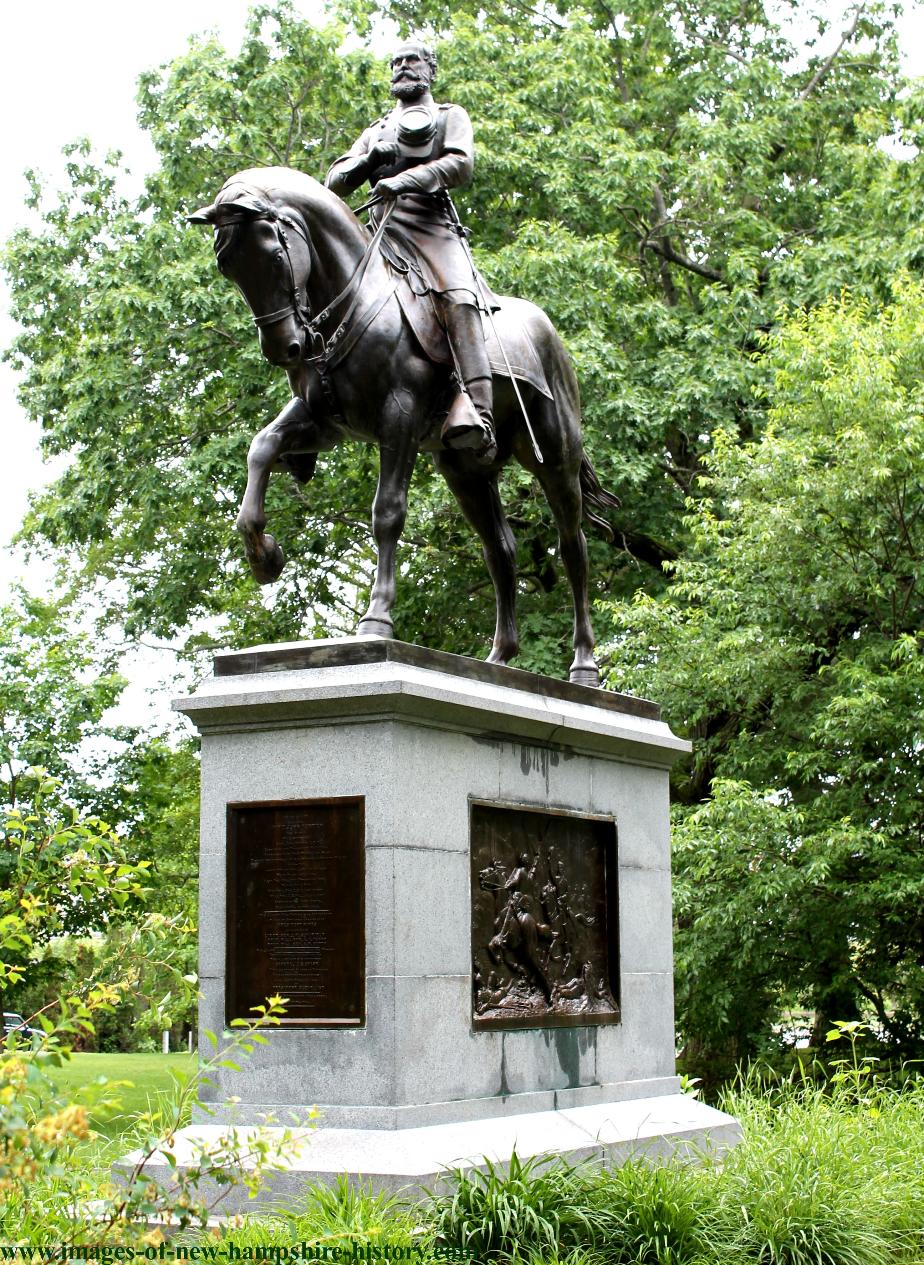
415,155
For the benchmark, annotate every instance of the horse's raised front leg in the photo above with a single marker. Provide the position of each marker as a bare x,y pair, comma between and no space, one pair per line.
397,456
562,488
291,429
479,500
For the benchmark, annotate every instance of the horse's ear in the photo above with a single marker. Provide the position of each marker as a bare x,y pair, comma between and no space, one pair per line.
205,215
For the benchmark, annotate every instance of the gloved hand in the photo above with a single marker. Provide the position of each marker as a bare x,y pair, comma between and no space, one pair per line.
390,187
383,154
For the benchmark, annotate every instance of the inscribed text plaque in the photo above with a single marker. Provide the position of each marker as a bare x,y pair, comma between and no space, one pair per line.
296,901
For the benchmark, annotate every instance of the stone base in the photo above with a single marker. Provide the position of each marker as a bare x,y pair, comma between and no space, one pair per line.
451,779
419,1115
412,1160
425,741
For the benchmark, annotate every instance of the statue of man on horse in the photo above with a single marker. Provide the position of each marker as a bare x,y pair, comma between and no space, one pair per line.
417,153
358,320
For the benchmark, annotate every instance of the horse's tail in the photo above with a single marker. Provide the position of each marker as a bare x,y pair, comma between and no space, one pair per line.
594,494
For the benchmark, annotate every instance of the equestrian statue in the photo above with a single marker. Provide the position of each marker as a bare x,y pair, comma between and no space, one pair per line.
389,334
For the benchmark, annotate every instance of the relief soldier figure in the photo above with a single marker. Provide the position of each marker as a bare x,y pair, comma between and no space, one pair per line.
414,155
540,938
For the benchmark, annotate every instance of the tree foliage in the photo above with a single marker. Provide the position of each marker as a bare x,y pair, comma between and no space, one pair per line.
687,189
57,683
55,687
661,180
791,644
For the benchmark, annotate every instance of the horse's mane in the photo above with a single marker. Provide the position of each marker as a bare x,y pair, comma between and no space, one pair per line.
275,183
277,186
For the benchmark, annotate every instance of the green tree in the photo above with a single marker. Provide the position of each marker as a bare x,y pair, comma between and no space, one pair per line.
149,789
672,182
55,687
662,180
59,871
790,647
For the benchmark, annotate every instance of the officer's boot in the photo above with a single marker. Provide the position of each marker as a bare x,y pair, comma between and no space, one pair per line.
470,421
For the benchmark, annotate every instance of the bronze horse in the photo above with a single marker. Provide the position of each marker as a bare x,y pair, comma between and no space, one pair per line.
357,371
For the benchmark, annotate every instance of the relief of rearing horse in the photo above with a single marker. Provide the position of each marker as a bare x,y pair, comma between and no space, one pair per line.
333,314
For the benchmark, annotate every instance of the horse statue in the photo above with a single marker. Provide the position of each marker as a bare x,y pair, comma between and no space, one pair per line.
365,360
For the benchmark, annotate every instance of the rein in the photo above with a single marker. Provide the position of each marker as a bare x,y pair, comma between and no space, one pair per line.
328,346
322,348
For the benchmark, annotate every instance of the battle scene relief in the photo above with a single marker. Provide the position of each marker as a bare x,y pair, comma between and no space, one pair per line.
544,919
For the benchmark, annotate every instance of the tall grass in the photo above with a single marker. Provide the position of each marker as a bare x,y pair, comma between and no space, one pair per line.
537,1206
822,1177
339,1216
353,1211
665,1214
827,1177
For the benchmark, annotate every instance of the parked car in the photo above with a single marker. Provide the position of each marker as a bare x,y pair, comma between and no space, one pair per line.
15,1023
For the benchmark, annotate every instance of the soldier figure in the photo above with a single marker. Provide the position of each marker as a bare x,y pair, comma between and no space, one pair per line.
417,151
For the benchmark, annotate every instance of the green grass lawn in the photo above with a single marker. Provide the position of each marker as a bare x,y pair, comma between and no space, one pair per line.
153,1078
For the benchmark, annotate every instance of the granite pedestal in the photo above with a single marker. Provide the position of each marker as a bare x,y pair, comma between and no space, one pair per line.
418,741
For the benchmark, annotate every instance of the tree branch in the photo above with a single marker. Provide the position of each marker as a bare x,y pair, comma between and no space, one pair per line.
822,72
645,549
664,247
684,261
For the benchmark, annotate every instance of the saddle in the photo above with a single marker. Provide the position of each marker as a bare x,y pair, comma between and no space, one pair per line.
420,313
430,335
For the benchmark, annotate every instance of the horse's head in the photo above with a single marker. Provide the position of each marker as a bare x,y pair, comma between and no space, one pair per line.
264,247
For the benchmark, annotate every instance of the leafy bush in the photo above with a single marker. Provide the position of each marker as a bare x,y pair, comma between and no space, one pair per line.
56,860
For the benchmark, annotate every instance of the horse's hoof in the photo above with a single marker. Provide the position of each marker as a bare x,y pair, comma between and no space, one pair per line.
375,628
585,676
266,565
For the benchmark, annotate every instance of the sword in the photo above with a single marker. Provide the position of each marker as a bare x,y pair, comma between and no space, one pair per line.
463,238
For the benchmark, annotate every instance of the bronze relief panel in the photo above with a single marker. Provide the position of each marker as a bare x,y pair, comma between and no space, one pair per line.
545,933
296,910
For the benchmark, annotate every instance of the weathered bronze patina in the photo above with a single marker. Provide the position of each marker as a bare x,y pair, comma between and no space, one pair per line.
357,321
295,918
417,153
544,919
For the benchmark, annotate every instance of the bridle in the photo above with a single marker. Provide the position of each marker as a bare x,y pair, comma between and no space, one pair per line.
300,310
322,348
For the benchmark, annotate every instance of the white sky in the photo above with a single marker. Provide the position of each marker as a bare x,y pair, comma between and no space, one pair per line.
68,68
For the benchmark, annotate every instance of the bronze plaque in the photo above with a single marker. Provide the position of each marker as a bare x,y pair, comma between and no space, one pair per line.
545,943
296,910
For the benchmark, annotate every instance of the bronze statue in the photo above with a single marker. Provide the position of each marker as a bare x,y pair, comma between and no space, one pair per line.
357,321
418,152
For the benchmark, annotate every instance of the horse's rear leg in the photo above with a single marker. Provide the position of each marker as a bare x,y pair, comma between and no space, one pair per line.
389,511
562,488
479,500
